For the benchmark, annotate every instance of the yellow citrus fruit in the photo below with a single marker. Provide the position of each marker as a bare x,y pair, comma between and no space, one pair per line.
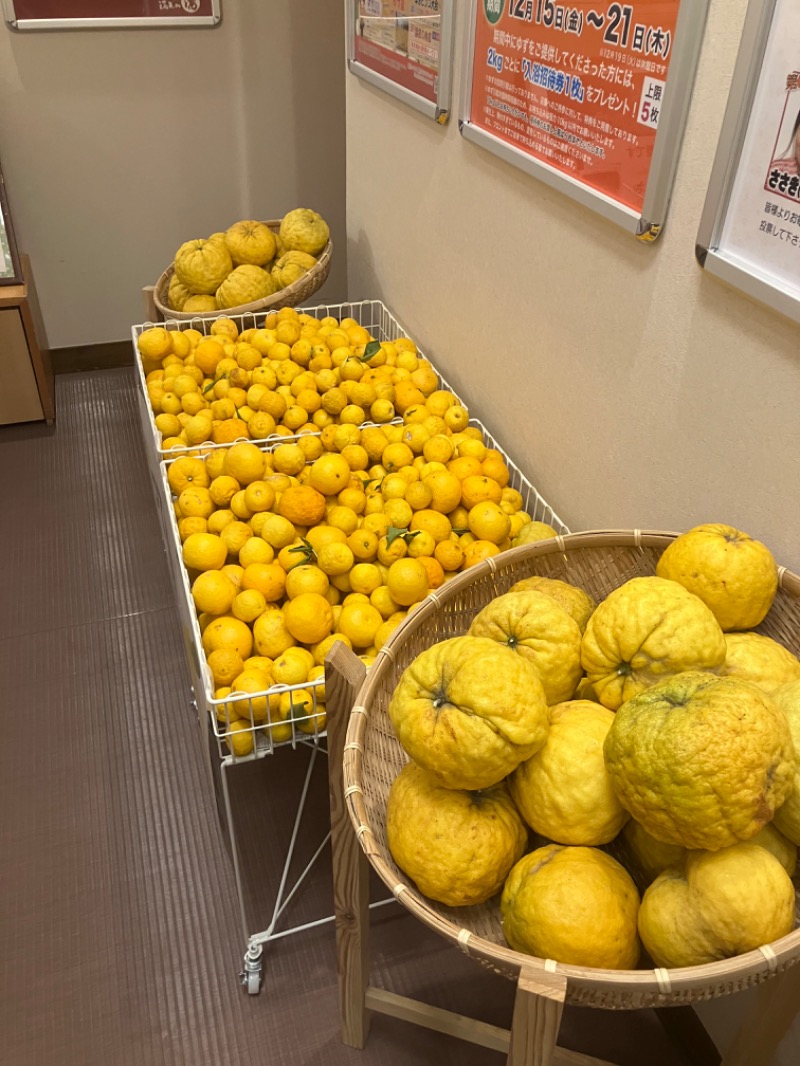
305,578
575,905
204,551
302,505
365,578
446,490
268,578
476,488
470,711
330,474
344,519
223,489
289,669
248,605
213,592
433,522
407,581
577,603
433,569
240,738
309,617
255,550
272,638
757,658
359,622
534,531
564,791
245,463
155,344
716,905
733,574
699,760
250,242
335,559
363,543
488,522
398,512
289,459
187,526
195,502
227,632
186,472
234,572
787,819
225,666
449,554
234,536
457,848
277,531
477,551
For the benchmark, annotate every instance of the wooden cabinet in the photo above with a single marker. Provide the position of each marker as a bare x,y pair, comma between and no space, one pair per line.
26,377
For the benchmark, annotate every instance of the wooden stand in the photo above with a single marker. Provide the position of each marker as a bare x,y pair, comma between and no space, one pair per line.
540,998
26,376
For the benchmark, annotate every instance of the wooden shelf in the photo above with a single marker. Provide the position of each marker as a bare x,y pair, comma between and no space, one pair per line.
26,376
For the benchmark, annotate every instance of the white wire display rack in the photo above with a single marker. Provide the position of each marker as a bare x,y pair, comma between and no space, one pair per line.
262,715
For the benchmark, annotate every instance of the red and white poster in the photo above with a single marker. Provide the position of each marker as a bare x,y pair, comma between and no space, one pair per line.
66,11
400,40
579,86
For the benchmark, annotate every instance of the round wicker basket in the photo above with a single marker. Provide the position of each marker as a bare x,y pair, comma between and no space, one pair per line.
597,562
291,296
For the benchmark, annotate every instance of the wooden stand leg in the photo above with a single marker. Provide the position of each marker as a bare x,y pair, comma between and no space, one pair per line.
344,674
538,1007
777,1005
150,309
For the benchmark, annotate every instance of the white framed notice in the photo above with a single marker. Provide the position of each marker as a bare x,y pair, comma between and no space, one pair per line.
109,14
405,48
749,234
588,96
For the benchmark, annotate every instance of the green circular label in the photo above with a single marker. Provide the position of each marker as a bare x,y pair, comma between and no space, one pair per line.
493,9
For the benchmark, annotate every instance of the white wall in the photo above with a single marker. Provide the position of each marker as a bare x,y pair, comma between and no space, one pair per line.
635,390
118,145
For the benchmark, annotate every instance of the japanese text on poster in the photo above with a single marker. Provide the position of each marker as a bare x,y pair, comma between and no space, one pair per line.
578,86
400,39
762,226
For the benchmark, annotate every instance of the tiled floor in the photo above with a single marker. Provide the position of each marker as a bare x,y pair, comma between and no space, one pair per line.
119,933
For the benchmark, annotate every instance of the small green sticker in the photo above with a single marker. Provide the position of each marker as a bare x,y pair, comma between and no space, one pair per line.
493,9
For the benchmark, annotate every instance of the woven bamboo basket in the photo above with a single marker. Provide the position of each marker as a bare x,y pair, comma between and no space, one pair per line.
597,562
294,294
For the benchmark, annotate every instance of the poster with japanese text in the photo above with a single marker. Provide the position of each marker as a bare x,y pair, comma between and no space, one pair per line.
29,14
762,223
579,86
401,41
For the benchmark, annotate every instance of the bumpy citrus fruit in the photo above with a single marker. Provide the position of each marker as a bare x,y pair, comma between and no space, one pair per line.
202,266
250,242
577,603
303,230
701,761
456,846
470,711
759,659
534,626
291,267
246,284
644,631
575,905
532,532
564,791
787,819
719,905
732,573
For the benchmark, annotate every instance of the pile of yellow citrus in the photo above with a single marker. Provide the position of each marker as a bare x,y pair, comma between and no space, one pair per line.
246,263
649,743
296,375
293,547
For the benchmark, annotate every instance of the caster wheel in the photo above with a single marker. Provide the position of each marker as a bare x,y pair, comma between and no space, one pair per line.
251,975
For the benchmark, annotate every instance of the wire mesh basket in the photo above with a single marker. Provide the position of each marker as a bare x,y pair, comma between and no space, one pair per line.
373,315
597,562
260,710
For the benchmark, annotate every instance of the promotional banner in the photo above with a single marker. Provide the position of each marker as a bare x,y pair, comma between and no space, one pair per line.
762,223
579,86
400,40
63,11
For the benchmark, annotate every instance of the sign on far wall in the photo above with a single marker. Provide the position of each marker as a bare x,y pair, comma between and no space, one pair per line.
749,233
586,95
405,48
97,14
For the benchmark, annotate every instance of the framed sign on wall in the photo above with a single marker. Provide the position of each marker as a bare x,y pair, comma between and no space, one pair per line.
588,96
404,47
108,14
10,268
749,233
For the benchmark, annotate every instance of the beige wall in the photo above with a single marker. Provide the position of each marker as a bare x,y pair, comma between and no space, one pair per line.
119,145
634,389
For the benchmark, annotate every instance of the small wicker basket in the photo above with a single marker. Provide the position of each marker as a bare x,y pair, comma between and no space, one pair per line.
291,296
597,562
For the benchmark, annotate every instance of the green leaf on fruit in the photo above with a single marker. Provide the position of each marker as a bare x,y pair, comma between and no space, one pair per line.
371,349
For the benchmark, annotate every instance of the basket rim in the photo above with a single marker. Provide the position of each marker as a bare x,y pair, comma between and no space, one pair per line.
297,288
661,983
